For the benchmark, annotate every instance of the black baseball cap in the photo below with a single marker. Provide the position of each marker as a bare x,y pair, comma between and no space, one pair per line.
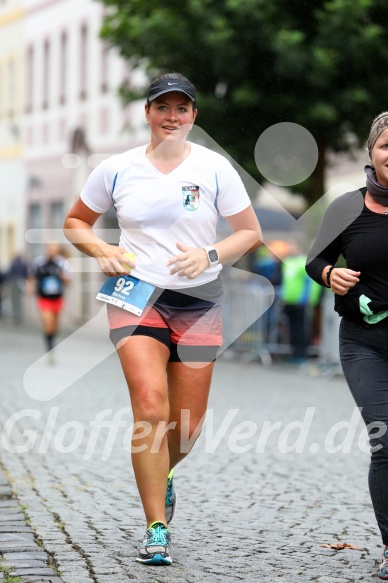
171,84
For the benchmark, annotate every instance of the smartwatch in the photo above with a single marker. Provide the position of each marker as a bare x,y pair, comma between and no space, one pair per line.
212,255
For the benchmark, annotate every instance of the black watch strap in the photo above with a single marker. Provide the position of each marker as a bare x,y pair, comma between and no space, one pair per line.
328,274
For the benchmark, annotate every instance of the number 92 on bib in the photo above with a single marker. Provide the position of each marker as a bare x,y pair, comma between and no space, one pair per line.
126,292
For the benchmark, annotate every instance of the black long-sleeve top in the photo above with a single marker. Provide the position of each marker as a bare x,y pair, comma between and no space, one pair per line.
361,236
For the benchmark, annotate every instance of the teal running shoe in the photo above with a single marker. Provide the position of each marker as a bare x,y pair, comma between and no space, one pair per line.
383,571
155,546
170,497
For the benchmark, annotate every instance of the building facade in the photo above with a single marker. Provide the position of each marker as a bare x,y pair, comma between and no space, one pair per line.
73,119
13,177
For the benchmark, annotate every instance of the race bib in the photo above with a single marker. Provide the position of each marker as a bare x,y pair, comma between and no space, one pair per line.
126,292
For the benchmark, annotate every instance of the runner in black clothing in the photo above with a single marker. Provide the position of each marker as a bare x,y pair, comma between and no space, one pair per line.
356,226
49,276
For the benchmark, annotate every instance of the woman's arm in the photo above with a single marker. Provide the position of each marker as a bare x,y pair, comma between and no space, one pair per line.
246,237
78,229
327,246
317,267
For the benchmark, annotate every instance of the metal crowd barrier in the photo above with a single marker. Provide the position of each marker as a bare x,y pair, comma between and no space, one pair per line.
246,309
255,326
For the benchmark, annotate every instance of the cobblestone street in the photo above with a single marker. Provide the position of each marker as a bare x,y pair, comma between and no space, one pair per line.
248,509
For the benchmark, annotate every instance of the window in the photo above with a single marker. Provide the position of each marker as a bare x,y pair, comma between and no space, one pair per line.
46,74
29,79
104,68
57,215
62,129
84,64
30,136
63,69
11,87
104,120
45,133
35,222
35,215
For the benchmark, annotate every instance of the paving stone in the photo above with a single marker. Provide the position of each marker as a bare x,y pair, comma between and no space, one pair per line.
5,489
19,556
8,504
76,578
19,527
34,571
10,510
15,527
9,517
18,546
16,537
20,564
41,580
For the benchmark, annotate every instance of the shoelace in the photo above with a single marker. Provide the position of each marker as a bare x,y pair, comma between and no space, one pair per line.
384,564
169,492
157,536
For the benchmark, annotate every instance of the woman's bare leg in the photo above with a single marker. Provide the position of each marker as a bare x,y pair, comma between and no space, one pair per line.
188,389
144,361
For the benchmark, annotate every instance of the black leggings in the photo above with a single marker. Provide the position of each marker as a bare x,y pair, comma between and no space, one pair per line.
364,359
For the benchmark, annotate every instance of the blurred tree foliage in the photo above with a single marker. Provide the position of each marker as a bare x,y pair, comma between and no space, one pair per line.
319,63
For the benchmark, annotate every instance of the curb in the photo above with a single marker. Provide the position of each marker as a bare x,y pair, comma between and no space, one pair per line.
22,556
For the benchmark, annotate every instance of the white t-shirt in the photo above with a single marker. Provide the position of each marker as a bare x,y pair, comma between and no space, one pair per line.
155,210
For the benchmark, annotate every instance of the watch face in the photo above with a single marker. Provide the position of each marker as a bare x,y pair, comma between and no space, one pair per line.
213,256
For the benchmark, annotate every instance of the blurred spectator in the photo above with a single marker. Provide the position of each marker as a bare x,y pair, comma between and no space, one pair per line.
2,280
299,294
268,265
48,277
16,276
265,263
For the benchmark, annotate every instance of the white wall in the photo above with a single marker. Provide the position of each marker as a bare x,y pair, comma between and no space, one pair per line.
12,175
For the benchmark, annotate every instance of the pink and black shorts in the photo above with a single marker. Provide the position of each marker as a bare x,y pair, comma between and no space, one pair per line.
188,322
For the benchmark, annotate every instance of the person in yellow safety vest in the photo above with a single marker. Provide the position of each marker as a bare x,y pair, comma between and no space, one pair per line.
299,295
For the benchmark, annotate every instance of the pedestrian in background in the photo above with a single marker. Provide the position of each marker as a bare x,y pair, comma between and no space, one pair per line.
16,277
167,196
48,278
356,226
265,263
299,294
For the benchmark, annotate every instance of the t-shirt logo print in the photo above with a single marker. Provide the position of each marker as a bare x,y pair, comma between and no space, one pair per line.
190,197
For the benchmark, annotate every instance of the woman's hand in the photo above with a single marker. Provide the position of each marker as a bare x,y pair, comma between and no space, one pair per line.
342,279
78,229
111,260
190,263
